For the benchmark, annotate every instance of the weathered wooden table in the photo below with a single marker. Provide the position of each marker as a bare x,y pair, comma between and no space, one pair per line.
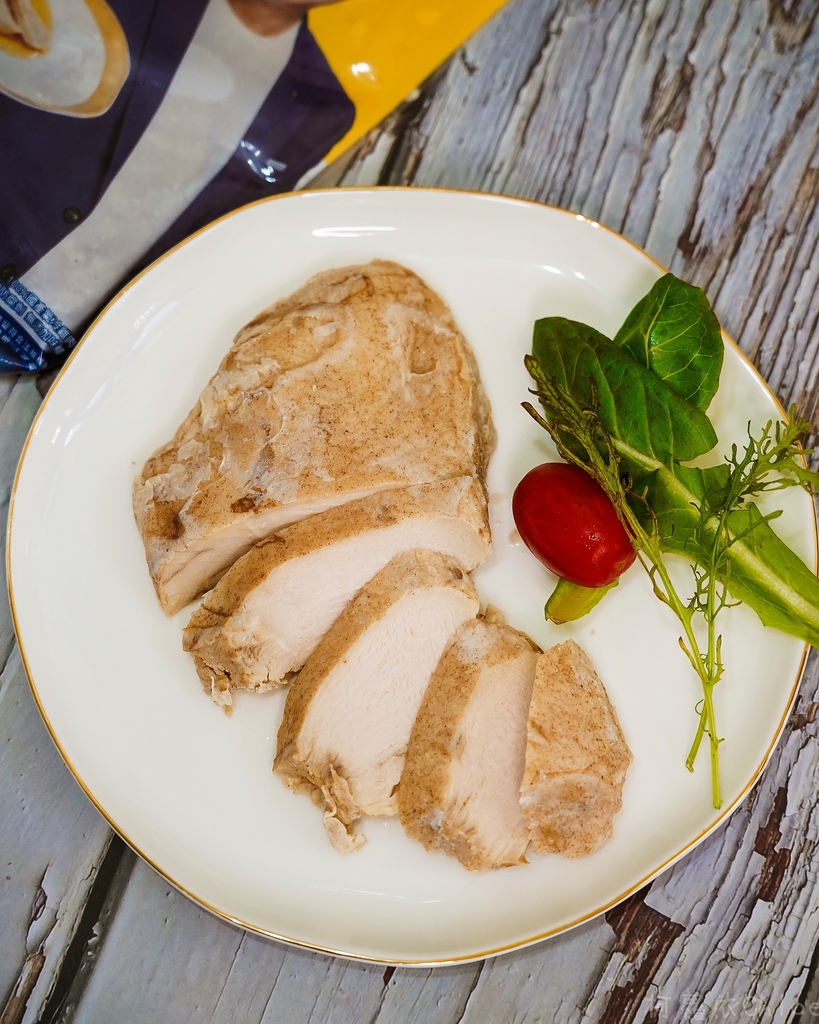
692,128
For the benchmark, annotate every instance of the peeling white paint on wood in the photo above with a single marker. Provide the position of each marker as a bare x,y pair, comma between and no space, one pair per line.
693,128
52,838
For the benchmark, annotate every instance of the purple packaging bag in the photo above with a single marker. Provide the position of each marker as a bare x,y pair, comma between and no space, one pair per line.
134,124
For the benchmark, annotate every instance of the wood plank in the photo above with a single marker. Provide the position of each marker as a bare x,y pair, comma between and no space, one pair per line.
19,402
53,838
691,128
230,968
757,254
751,905
223,969
634,136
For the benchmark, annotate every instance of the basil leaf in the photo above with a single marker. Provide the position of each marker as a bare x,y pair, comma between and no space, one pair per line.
630,399
674,332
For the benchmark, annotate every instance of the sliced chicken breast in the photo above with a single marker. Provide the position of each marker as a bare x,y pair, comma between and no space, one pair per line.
576,756
460,787
267,614
357,383
348,715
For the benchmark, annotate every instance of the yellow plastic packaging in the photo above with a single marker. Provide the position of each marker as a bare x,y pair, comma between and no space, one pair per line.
381,50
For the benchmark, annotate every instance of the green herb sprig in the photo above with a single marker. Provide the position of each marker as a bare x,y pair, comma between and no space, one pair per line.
771,462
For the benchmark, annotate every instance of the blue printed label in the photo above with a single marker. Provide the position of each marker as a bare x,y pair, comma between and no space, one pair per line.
31,335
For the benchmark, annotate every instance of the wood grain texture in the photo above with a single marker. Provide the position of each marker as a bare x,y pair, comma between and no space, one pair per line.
228,971
53,840
693,129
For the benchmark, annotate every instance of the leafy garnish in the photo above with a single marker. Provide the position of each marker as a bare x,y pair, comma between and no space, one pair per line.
632,402
728,518
759,569
674,332
630,424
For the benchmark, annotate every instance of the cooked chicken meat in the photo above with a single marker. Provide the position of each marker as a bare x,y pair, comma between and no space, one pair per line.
349,714
267,614
460,788
357,383
576,756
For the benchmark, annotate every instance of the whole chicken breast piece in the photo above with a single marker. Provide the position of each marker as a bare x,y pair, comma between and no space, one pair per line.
460,787
268,612
357,383
576,756
348,715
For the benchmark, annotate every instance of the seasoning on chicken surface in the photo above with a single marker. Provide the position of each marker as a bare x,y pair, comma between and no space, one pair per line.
267,614
348,715
576,756
359,382
460,788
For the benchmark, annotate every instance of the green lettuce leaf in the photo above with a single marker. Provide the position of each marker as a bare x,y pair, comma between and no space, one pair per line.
763,572
674,332
630,399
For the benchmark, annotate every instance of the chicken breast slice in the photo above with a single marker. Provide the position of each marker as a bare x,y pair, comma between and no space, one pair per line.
348,716
267,614
357,383
460,787
576,756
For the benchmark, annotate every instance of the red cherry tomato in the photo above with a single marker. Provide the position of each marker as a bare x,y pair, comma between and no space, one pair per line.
567,521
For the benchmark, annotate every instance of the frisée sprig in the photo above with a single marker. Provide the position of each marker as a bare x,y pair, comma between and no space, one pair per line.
773,461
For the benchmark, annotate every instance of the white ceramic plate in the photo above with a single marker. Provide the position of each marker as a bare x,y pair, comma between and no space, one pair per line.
191,789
